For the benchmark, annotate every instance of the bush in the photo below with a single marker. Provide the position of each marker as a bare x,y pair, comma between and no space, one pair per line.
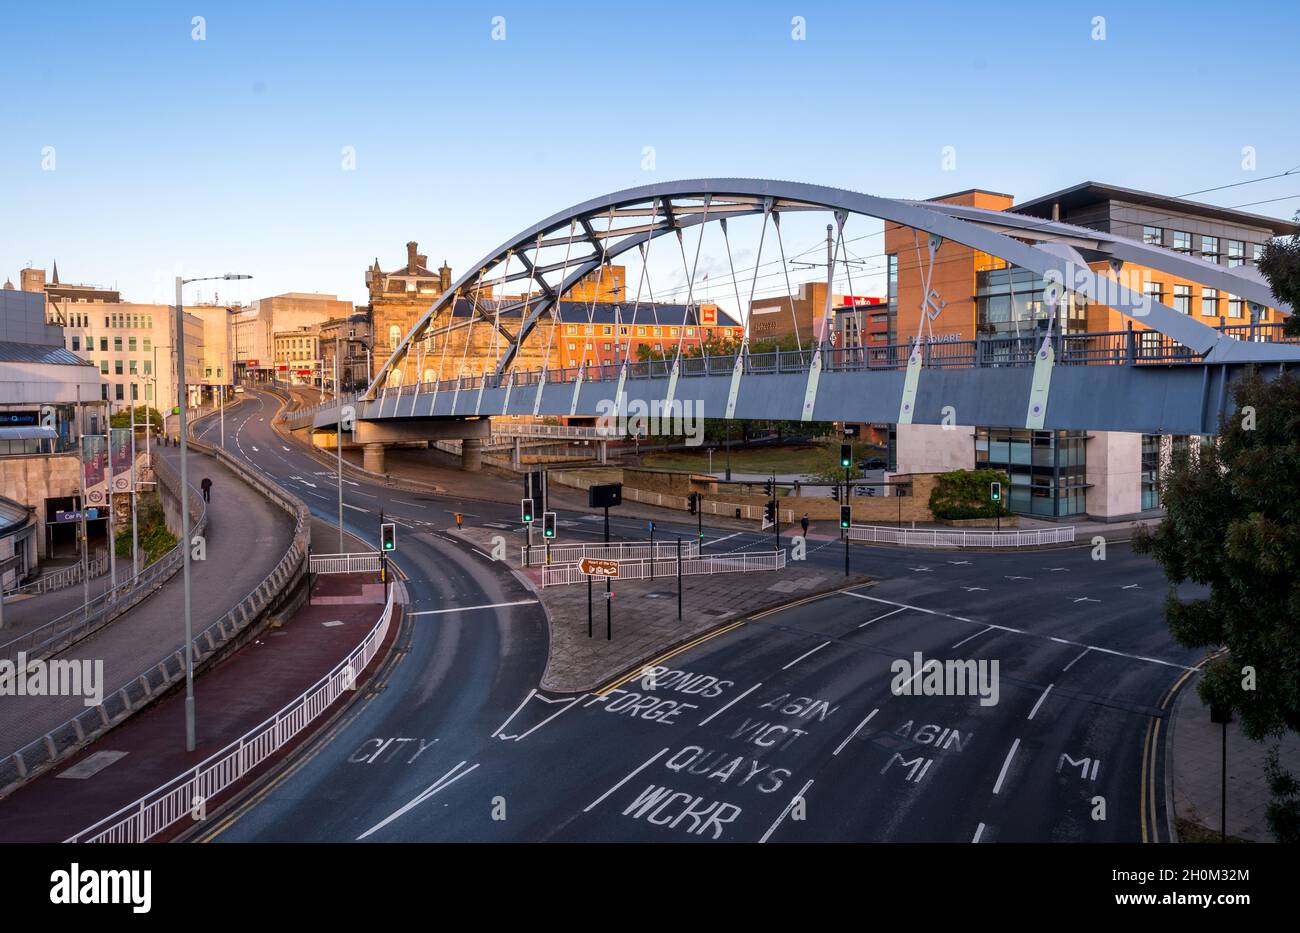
962,494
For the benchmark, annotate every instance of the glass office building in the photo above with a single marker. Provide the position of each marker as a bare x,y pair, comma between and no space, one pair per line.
1046,468
1009,303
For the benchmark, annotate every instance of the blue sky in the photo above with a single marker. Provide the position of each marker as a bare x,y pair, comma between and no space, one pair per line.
225,154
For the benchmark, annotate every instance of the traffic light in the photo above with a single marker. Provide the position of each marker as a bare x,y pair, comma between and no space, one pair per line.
387,537
526,510
693,502
846,456
846,517
548,524
769,488
835,492
770,510
995,492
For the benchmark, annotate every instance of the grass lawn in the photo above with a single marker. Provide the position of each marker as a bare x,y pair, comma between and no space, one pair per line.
805,458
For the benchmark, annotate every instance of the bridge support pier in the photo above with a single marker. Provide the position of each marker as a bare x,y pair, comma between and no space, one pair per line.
471,454
372,458
516,457
603,447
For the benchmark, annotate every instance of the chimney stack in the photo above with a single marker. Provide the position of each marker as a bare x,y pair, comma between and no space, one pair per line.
412,260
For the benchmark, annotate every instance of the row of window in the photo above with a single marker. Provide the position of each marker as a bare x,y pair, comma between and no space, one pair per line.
146,369
1210,301
119,394
1211,248
130,344
625,330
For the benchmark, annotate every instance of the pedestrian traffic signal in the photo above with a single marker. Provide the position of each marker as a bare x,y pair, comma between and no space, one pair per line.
770,511
387,537
548,524
995,492
526,510
846,456
846,516
693,502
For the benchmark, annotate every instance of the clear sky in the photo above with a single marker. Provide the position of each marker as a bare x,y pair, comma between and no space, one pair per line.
227,154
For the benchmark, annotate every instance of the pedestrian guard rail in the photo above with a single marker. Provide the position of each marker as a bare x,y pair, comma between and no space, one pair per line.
540,554
363,562
646,569
927,537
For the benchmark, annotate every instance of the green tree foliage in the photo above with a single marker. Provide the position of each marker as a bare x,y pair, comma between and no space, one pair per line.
963,494
1233,525
1280,264
151,526
144,416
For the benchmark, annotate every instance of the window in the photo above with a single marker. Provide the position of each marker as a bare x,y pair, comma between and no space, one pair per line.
1153,235
1235,305
130,344
1183,299
690,332
1155,291
394,337
103,367
572,346
117,390
103,344
1210,248
673,332
1236,253
1209,302
131,367
640,331
76,343
607,331
148,392
117,344
1180,241
148,367
117,367
590,330
103,393
147,342
1256,252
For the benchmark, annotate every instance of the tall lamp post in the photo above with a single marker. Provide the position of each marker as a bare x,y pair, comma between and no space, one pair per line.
182,391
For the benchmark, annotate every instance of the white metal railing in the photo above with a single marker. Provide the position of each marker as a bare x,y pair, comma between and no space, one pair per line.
577,480
345,563
539,554
58,579
933,537
560,574
173,801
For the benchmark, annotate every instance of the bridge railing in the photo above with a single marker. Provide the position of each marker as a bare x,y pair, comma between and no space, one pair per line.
959,538
172,802
562,574
541,555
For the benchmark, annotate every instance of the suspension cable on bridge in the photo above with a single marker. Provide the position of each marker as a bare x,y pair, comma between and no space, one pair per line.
785,267
690,273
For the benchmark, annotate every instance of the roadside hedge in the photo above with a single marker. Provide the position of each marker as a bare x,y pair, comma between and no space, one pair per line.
963,494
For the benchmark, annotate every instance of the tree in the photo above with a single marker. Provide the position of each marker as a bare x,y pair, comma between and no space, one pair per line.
143,416
1280,264
1233,525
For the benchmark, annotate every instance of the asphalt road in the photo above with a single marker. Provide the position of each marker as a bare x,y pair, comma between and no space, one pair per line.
782,729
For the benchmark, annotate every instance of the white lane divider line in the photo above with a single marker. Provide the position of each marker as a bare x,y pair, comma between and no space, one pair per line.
1005,765
1080,657
639,768
1040,700
969,637
979,831
438,612
804,655
727,538
424,795
788,807
728,706
852,735
355,508
878,618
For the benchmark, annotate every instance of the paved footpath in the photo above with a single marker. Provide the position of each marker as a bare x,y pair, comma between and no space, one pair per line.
237,695
246,536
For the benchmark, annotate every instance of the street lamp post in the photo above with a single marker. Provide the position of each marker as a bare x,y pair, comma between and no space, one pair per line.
338,438
135,492
182,392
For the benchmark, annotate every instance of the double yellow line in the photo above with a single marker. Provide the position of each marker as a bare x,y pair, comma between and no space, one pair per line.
1148,818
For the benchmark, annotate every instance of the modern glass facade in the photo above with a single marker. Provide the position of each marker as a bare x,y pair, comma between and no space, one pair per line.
1009,303
1047,468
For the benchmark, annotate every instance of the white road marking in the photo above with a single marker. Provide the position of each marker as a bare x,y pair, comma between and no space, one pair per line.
856,730
979,831
404,502
1071,664
788,807
804,655
1132,586
878,618
727,538
975,589
355,508
1005,765
1040,701
969,637
438,612
641,767
723,709
1086,599
421,797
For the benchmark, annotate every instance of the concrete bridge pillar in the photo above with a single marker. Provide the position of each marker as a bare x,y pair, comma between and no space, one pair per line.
471,454
372,458
516,458
604,451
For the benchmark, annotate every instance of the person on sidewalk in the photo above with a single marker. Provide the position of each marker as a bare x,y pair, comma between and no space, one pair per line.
803,523
206,486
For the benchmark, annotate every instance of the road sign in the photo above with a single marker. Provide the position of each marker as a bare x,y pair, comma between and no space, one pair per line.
596,567
605,495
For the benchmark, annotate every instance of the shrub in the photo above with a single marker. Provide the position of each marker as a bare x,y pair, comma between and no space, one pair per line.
962,494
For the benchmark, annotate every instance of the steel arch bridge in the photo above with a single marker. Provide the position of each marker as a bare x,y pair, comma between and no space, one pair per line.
1172,383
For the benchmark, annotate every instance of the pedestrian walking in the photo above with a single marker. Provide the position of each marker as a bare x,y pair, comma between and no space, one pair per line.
803,522
206,486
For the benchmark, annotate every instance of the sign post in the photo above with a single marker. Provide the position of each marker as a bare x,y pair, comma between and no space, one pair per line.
599,567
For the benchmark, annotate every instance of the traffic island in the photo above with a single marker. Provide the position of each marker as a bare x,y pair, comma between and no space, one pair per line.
642,620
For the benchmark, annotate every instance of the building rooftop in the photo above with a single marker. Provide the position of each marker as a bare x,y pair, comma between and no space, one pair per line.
1092,192
11,352
604,312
